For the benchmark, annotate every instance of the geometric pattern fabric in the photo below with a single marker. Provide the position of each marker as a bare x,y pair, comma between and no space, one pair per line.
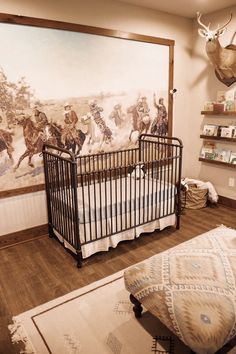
191,289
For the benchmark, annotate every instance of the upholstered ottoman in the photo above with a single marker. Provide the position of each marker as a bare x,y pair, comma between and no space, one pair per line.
191,288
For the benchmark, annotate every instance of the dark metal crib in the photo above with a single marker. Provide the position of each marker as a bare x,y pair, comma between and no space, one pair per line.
97,200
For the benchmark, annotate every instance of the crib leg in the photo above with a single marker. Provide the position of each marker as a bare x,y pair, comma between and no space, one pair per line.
79,260
50,231
137,306
177,222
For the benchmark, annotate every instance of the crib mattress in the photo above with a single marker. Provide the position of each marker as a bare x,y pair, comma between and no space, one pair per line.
123,209
115,197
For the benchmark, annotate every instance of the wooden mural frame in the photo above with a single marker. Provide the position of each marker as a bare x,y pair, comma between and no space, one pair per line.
51,24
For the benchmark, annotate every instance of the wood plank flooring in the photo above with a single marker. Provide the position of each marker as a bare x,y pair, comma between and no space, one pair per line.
38,271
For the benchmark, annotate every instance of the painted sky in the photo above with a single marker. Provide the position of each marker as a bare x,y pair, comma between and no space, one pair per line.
59,64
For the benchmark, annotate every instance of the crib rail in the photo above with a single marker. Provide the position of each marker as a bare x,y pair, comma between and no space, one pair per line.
106,160
61,192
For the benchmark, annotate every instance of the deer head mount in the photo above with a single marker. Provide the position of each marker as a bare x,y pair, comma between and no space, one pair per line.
223,59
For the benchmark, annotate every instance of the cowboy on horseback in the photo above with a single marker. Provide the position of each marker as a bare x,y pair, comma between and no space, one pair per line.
70,119
143,112
95,111
41,121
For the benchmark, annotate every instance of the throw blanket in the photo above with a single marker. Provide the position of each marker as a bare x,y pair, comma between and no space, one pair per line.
212,194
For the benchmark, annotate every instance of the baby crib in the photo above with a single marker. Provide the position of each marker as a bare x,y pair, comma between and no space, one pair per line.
95,201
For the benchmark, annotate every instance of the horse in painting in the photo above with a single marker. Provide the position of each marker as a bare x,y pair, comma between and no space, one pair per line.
6,141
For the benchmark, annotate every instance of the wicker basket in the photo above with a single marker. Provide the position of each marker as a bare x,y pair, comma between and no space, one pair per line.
196,198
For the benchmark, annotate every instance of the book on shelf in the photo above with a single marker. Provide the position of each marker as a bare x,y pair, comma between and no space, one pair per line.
208,150
210,130
222,155
227,131
233,158
234,133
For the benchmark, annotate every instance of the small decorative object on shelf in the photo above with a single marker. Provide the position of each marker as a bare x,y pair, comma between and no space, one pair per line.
218,107
230,106
208,106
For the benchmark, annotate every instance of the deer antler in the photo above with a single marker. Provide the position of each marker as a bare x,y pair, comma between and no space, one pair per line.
199,15
230,18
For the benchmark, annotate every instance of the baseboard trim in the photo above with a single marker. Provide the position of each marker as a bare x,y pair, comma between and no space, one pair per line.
22,236
227,202
33,233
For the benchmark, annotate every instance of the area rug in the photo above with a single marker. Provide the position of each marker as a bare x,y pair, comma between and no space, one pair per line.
96,319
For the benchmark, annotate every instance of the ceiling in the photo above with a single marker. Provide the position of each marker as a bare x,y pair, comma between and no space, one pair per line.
185,8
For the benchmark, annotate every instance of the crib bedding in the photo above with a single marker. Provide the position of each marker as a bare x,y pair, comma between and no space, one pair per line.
123,219
104,200
122,230
103,244
120,196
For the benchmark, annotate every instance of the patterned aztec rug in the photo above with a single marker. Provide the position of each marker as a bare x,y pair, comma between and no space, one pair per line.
96,319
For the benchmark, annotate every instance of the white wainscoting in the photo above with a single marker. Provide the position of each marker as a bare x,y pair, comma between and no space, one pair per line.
22,212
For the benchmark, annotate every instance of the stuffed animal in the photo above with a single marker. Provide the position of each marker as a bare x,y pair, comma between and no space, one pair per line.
138,172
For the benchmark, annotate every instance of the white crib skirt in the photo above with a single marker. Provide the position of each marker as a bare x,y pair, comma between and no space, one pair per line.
103,244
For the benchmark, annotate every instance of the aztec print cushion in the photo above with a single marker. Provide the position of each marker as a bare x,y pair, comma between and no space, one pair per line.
191,289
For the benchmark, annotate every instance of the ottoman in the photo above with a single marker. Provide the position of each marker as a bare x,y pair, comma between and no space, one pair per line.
191,289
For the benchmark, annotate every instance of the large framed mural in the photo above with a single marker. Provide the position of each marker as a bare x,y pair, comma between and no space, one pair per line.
83,88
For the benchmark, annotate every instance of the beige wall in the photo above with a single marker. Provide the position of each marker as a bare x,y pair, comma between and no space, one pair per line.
29,210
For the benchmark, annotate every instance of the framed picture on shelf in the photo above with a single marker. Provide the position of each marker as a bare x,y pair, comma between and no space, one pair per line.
221,96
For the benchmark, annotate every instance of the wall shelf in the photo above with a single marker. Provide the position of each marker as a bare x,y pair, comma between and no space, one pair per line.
219,139
212,113
217,162
207,137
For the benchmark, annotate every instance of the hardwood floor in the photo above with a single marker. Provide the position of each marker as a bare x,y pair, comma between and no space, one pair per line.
37,271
